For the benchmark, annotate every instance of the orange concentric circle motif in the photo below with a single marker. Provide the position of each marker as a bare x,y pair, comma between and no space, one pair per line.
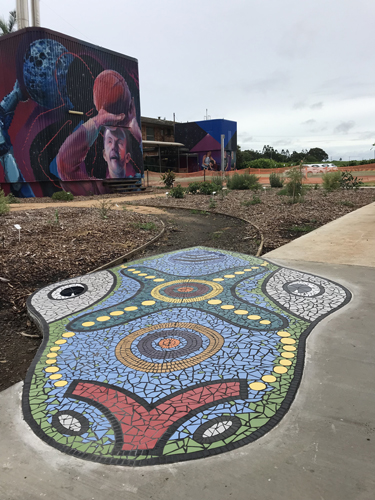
187,290
125,355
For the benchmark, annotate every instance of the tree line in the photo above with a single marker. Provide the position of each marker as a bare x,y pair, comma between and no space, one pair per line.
313,155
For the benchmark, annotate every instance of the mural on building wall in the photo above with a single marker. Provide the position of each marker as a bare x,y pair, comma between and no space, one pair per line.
173,357
204,139
43,146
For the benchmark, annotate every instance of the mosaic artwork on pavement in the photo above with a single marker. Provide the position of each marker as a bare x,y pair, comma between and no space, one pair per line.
170,358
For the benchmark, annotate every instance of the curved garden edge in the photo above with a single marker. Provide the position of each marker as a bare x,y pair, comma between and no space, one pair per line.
125,257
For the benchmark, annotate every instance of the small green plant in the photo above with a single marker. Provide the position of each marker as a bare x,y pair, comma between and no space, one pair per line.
103,207
206,188
316,187
217,181
347,181
331,181
294,186
12,199
212,203
216,235
146,226
244,181
276,181
254,201
177,192
62,196
168,178
57,220
347,203
4,203
201,212
283,192
306,228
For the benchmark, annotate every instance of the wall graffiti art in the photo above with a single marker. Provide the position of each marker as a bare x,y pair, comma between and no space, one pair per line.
170,358
69,115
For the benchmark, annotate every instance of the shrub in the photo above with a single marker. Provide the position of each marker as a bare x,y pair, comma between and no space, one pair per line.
62,196
177,192
103,207
294,186
331,181
168,178
347,181
254,201
206,188
276,180
193,187
217,181
4,204
244,181
263,163
12,199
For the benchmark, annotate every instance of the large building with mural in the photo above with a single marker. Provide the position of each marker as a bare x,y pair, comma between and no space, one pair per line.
69,115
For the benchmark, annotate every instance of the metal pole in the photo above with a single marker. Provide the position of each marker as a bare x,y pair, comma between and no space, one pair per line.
23,14
222,152
35,12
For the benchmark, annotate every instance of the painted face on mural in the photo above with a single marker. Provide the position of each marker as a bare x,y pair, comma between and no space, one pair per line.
115,151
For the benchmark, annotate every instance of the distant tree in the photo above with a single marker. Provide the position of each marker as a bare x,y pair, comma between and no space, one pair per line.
317,154
239,157
8,27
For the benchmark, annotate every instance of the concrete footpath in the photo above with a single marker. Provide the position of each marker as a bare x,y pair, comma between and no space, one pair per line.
323,449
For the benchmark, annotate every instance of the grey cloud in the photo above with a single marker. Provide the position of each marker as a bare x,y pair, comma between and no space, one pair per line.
282,142
317,105
299,105
309,122
278,80
344,127
367,136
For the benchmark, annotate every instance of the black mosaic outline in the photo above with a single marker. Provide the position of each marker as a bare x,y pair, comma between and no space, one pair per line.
168,459
85,424
198,434
85,288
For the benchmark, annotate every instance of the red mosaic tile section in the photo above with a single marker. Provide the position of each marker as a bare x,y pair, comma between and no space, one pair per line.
142,428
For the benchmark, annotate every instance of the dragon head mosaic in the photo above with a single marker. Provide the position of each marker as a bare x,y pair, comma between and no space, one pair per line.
173,357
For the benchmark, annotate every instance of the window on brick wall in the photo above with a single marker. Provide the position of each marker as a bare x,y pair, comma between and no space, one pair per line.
150,134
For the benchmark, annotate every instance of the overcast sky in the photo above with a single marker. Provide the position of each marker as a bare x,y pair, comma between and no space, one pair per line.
294,73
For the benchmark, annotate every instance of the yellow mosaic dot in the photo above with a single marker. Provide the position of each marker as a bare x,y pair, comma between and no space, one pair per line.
52,355
124,267
142,274
283,334
218,279
88,323
55,377
55,348
285,362
253,316
257,386
239,272
265,322
59,342
264,264
268,378
280,369
67,335
103,318
247,270
287,355
255,267
51,361
229,276
52,369
136,272
215,302
148,303
130,308
116,313
132,269
227,307
288,341
60,383
159,279
289,348
150,277
241,312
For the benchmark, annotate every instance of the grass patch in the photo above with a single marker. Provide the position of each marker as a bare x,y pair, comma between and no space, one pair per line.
305,228
201,212
254,201
347,203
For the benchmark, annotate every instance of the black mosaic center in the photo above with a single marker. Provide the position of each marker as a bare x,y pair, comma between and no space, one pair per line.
193,343
217,429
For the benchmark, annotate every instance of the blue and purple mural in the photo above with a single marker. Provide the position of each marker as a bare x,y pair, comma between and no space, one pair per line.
69,115
204,139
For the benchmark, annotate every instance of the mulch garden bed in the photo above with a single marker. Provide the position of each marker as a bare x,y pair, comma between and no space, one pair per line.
279,221
55,245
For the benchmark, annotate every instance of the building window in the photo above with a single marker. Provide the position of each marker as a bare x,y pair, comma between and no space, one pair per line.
150,134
